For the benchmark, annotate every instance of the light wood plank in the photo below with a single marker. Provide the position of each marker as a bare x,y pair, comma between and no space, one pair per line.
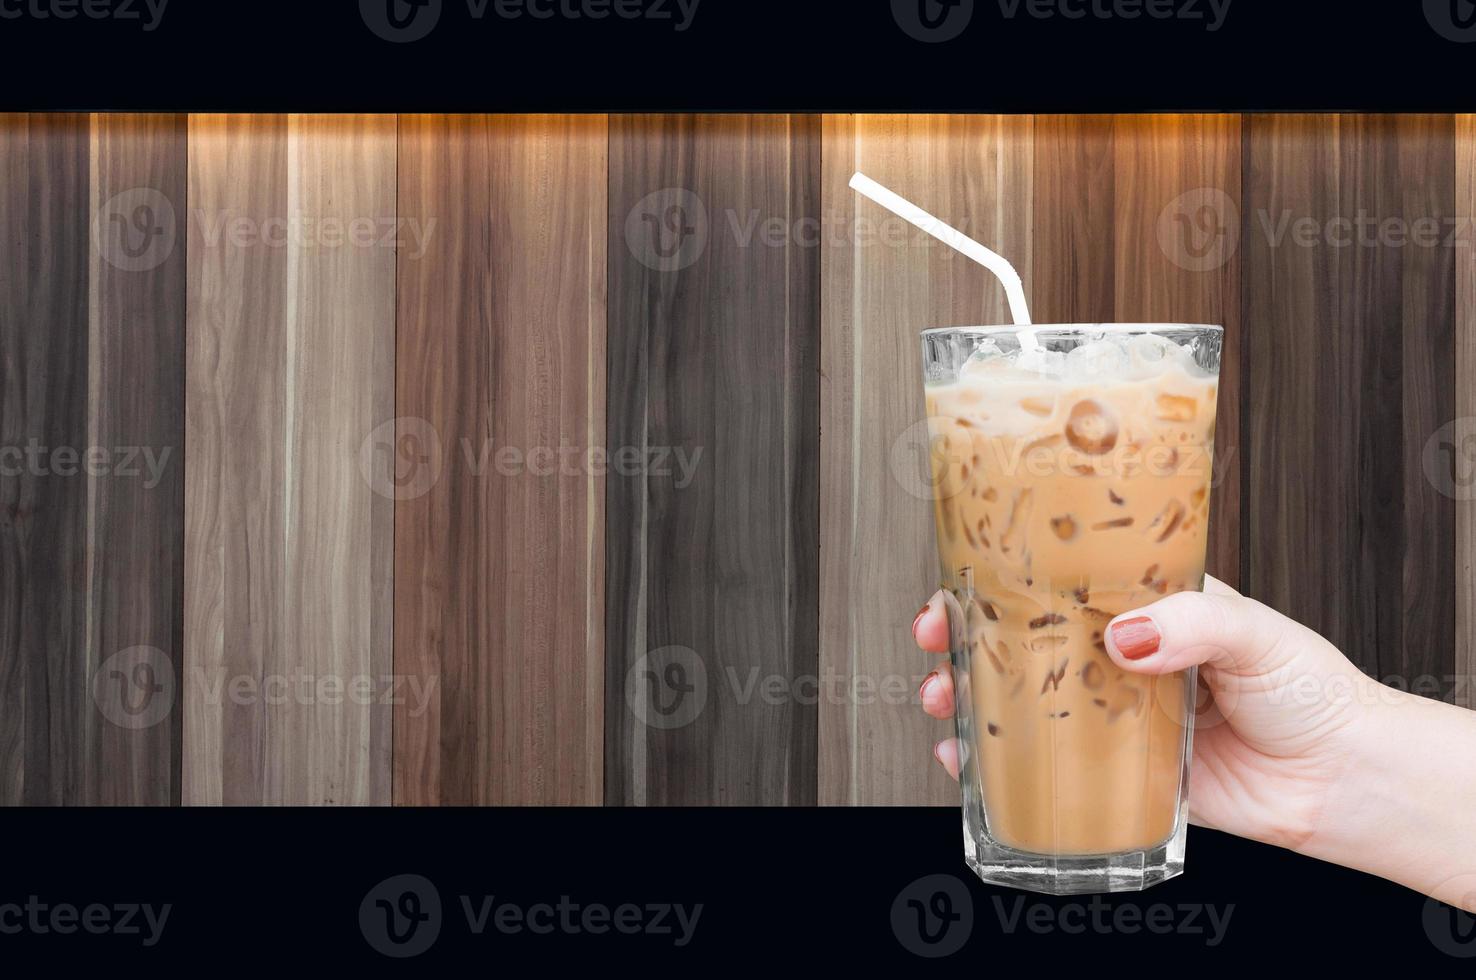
883,283
291,333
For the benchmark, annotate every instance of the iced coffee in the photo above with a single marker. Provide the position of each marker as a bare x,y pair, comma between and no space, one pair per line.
1072,470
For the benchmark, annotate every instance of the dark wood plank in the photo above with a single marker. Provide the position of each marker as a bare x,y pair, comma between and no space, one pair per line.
1176,260
1423,151
1137,220
1350,349
712,569
499,605
137,407
44,338
1075,211
1465,425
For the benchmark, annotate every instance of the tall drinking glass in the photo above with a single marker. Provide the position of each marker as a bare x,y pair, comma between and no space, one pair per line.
1072,473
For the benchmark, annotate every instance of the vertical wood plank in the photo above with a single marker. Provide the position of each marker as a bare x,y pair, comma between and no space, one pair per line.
499,530
1421,153
712,554
1465,411
43,580
1075,211
883,283
291,332
91,339
1351,346
1137,220
1176,238
136,527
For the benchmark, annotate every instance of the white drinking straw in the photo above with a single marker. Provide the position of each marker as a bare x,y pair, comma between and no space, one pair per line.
993,261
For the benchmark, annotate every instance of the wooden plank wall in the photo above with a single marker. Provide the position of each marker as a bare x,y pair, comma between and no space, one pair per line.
499,548
713,545
574,460
291,347
92,329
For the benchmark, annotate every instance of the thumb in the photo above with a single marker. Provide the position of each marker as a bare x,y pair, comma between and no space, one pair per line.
1227,631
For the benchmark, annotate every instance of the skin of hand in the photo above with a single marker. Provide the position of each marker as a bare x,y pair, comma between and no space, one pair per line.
1297,747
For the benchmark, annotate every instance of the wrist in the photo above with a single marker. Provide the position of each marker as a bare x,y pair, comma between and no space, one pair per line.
1402,807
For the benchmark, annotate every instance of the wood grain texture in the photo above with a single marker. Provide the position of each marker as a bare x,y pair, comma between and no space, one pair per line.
883,283
92,349
1465,408
290,371
136,379
1352,350
48,723
712,568
499,550
1137,221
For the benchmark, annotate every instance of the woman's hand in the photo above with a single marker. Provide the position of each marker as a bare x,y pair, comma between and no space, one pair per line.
1299,748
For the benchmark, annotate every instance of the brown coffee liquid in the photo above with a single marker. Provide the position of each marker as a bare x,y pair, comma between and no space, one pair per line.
1059,507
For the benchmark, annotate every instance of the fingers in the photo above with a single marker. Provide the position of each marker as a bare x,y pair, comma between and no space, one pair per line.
937,692
1222,629
930,628
946,752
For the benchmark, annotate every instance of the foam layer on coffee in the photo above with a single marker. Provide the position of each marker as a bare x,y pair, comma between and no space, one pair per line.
1020,392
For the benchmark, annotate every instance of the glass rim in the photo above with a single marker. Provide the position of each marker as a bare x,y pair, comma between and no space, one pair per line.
1018,328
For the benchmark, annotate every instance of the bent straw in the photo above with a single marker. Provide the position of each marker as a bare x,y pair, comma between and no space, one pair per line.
952,237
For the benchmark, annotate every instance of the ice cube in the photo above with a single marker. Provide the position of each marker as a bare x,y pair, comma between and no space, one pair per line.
1047,363
1106,358
987,358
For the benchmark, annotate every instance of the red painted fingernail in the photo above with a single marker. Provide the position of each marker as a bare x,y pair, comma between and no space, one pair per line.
918,618
1136,639
922,691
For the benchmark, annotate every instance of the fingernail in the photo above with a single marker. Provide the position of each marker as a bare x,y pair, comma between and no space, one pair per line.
1135,639
922,692
918,618
936,754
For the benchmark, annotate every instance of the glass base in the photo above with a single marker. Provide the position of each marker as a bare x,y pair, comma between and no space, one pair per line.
1092,874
